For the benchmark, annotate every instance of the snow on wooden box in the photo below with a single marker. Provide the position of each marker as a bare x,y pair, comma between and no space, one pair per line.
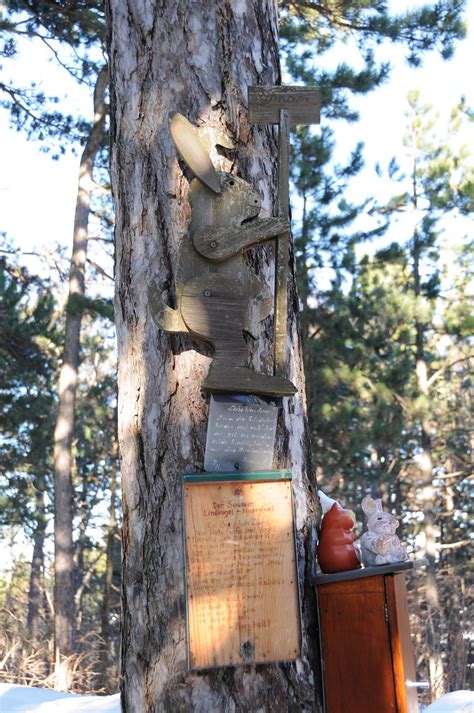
240,565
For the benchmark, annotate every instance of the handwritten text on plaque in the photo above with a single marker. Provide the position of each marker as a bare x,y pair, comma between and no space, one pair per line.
242,595
240,436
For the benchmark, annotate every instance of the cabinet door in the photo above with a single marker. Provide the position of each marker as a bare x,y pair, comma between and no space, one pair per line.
399,627
357,661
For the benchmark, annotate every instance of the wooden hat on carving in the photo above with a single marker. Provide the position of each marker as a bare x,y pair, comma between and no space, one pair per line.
191,149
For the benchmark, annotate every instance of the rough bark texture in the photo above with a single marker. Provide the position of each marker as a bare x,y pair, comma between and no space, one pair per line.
36,587
109,571
64,616
197,58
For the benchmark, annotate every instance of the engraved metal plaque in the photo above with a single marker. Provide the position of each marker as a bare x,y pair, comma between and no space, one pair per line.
240,435
242,604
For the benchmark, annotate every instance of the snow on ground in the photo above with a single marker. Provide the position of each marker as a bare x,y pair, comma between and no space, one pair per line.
456,702
26,699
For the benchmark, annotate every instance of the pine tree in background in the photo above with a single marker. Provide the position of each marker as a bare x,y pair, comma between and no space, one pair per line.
441,180
78,27
68,382
29,341
325,244
389,348
71,32
313,33
31,334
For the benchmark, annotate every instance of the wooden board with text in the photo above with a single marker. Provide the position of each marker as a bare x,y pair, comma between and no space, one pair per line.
241,583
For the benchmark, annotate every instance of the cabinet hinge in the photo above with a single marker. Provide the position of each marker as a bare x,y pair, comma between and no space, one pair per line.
385,611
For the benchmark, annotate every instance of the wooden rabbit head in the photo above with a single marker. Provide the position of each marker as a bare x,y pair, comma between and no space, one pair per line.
235,204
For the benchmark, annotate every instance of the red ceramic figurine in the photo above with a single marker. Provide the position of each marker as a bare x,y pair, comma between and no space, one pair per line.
336,550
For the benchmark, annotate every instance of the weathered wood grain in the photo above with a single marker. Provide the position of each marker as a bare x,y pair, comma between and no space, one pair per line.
356,647
214,309
188,142
241,595
366,614
402,656
303,104
218,244
285,106
219,296
282,248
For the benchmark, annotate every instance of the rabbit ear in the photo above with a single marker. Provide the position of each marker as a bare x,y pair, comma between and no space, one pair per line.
211,137
378,506
191,149
368,505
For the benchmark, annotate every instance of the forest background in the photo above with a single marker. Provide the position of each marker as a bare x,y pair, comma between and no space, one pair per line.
383,247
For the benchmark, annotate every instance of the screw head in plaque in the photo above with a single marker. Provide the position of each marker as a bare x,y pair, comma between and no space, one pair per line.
240,435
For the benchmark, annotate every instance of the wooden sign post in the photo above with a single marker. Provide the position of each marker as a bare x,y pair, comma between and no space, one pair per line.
284,106
241,578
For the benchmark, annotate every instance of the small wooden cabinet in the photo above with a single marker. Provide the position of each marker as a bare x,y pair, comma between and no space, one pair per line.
365,640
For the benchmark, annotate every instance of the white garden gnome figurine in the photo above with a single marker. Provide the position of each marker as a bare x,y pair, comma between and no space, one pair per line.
380,545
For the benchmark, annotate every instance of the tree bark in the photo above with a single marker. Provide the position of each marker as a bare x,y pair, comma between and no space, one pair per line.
36,587
64,615
79,551
426,494
197,58
109,570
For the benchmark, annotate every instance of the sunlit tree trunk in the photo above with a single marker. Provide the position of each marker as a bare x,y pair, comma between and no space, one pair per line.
64,614
197,58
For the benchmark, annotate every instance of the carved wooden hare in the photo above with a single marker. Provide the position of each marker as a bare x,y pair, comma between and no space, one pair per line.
219,296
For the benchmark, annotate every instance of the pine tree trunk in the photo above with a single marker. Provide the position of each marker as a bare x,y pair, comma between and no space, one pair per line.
425,490
109,571
197,58
64,614
79,552
36,586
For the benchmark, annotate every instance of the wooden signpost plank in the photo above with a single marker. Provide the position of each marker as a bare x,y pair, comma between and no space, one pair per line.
241,581
303,104
286,106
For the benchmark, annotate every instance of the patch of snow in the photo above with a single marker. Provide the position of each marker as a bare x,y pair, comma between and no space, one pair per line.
455,702
27,699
